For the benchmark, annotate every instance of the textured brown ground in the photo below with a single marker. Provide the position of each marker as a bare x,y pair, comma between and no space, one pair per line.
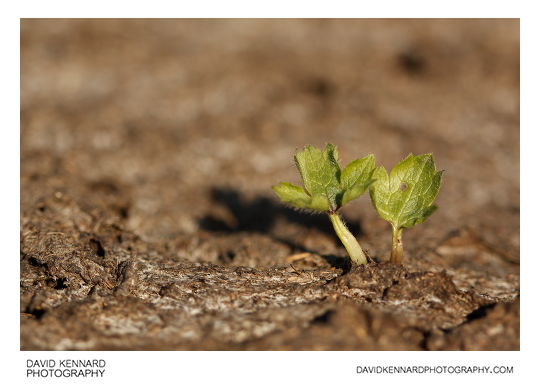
148,149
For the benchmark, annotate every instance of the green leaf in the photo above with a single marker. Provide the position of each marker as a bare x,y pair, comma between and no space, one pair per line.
405,197
320,172
421,217
327,188
297,197
356,177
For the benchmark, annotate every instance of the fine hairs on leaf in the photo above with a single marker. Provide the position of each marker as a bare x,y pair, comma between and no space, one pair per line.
327,188
405,197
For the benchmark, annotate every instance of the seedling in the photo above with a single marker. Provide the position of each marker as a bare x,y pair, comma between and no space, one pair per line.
327,188
405,197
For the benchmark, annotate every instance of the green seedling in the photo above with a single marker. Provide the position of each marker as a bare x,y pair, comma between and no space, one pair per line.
327,188
405,197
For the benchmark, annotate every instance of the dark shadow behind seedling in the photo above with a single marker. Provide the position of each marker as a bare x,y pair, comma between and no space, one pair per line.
261,214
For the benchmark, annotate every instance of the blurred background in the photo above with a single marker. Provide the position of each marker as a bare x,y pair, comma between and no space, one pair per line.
177,114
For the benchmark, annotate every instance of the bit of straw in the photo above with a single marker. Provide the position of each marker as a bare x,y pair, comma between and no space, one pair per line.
299,256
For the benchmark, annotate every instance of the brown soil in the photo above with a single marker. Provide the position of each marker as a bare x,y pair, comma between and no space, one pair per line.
148,149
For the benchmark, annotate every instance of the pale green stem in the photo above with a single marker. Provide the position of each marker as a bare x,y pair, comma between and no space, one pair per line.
348,240
397,246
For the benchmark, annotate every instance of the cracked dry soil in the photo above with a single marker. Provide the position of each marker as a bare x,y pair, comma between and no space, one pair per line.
148,148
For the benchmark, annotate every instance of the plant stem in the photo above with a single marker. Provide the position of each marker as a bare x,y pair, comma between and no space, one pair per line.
397,246
353,248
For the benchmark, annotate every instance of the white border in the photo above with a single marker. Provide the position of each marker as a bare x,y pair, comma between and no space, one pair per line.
276,8
264,367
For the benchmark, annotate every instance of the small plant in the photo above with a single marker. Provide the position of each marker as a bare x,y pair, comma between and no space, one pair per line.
405,197
327,188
